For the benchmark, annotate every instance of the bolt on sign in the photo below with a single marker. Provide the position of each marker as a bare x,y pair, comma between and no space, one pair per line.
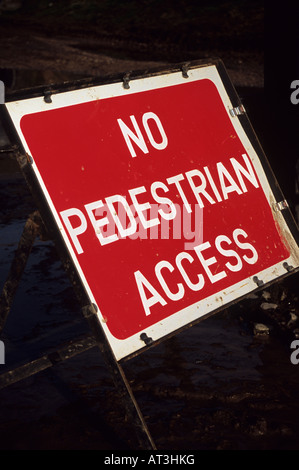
162,196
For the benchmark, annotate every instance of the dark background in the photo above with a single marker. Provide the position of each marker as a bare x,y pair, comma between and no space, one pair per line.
281,68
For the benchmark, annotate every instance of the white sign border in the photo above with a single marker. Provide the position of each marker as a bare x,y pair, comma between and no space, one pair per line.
130,346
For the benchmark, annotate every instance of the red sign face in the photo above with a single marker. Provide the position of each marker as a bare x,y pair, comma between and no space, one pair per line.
161,201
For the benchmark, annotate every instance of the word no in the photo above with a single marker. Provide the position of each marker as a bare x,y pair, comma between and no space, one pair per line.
138,138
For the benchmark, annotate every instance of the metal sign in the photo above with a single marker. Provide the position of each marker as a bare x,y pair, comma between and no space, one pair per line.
161,195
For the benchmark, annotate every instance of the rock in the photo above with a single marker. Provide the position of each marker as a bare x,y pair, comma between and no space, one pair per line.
266,295
293,319
268,306
283,296
261,329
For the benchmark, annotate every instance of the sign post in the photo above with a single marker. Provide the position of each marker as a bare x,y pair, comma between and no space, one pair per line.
159,194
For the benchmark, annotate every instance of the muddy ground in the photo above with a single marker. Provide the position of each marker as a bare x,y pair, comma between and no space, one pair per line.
223,384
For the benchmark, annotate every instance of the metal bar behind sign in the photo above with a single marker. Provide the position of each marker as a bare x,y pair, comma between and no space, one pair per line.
73,348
